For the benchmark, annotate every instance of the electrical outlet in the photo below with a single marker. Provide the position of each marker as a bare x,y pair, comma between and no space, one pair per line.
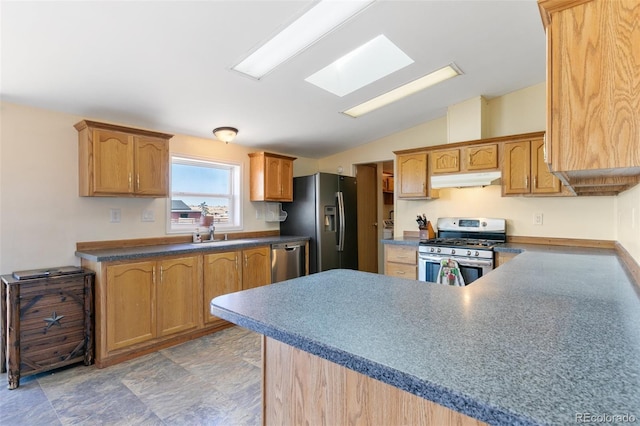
148,216
537,218
115,215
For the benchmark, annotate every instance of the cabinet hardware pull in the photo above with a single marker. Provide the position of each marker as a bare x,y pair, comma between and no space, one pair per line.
161,273
535,181
138,181
236,262
526,181
246,261
129,180
154,274
401,272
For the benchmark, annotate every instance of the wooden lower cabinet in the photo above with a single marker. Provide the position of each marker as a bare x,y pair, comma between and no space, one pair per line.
221,276
178,295
256,267
150,304
129,297
231,271
401,261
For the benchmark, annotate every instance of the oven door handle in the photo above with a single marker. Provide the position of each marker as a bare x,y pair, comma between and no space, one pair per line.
461,261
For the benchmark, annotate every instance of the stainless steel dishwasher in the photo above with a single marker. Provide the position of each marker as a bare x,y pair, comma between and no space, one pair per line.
287,261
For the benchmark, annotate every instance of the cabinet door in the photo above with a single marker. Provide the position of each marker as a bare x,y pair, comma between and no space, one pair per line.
286,176
221,276
272,178
256,267
593,81
483,157
130,304
151,166
517,167
113,162
412,175
543,181
178,296
445,161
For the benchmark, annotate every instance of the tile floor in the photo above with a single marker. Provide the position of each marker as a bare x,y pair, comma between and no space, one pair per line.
214,380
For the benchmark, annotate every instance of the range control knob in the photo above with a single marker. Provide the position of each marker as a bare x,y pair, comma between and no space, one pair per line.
453,251
468,252
438,250
477,254
432,249
484,223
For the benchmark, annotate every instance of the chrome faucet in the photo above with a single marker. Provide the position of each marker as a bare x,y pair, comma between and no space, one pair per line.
212,230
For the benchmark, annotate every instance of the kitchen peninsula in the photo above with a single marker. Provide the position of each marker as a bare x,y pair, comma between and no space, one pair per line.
549,336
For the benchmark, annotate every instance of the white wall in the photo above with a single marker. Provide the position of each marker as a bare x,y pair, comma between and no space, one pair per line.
628,221
43,217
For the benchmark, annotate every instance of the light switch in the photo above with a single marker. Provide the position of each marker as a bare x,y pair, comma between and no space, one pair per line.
537,218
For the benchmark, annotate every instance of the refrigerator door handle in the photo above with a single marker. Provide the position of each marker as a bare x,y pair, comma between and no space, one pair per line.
341,219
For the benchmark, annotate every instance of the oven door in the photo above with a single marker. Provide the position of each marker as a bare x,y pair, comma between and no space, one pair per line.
471,268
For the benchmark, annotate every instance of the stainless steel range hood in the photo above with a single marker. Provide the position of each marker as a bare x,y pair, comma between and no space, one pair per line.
466,180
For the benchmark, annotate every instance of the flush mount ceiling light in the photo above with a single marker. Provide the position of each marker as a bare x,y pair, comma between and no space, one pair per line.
225,134
317,22
396,94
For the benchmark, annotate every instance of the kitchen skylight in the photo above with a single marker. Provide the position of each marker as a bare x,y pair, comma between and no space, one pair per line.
372,61
317,22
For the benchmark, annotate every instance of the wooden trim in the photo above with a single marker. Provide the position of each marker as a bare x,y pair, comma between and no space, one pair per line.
271,154
105,126
630,264
571,242
177,239
548,7
510,138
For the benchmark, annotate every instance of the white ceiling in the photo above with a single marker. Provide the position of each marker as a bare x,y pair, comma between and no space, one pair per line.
165,65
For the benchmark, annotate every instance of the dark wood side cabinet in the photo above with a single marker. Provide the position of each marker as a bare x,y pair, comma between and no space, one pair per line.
47,323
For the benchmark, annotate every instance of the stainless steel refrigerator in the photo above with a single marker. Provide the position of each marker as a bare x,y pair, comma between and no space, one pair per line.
324,208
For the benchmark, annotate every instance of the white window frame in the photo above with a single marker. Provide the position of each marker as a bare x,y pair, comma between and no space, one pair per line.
235,198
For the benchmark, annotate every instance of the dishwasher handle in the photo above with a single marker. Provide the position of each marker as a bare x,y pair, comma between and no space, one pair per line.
286,246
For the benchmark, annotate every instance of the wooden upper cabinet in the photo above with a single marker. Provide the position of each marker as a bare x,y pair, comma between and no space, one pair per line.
481,157
446,161
152,166
271,177
413,179
121,161
543,181
593,95
517,167
525,171
256,267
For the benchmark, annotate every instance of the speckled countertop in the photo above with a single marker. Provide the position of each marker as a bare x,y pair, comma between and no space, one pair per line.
128,253
552,334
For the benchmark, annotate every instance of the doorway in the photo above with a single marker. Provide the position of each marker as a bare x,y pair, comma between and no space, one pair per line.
375,208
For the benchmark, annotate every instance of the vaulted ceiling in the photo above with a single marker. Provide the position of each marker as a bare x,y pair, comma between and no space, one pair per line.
165,65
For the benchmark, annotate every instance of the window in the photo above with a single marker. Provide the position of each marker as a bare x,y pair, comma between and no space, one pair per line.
204,192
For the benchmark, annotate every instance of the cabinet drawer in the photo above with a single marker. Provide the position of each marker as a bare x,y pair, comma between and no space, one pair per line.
401,270
399,254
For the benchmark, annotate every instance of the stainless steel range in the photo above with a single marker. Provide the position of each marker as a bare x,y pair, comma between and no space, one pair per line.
462,252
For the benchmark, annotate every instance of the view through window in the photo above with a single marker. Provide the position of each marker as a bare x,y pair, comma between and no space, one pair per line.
204,193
